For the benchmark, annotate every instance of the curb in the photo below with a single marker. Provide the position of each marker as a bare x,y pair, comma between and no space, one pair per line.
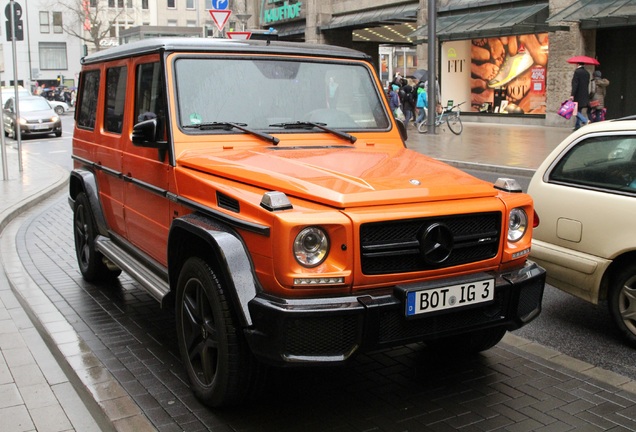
107,401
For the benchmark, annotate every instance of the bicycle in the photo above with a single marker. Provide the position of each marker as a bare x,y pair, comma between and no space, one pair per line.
448,115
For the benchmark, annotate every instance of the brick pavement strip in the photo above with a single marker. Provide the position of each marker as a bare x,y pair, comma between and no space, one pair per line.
514,386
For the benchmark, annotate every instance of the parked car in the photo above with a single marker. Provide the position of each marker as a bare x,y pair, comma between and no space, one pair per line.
58,106
585,196
286,229
9,92
36,117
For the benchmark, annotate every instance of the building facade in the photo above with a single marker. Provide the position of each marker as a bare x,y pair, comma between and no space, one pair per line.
506,58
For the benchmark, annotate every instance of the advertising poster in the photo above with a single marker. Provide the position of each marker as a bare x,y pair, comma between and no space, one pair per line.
508,74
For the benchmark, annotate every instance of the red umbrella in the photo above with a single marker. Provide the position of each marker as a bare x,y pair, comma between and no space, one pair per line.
584,60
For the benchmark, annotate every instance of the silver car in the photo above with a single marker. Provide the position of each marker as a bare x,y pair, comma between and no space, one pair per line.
585,196
36,118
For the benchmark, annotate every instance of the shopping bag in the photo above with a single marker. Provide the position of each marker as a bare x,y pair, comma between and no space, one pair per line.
568,109
399,114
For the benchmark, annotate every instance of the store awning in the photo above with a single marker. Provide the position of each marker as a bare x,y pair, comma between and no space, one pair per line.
381,16
593,14
293,28
489,23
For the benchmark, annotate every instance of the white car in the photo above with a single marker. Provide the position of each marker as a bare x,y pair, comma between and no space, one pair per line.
585,197
59,107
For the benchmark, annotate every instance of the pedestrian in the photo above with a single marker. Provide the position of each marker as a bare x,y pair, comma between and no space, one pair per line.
409,99
598,90
394,101
421,104
580,94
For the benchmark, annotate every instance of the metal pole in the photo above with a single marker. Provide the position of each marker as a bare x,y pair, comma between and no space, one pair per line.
432,77
16,126
5,169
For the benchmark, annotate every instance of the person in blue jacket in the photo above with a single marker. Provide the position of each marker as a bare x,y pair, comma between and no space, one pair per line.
394,99
422,104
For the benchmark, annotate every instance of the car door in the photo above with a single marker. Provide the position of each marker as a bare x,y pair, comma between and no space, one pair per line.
147,169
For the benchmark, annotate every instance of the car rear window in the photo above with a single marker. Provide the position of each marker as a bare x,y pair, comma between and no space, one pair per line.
607,162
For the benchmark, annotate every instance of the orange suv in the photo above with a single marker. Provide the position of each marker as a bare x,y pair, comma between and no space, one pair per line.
264,190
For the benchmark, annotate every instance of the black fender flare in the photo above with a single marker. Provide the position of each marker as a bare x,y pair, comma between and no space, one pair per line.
228,251
83,180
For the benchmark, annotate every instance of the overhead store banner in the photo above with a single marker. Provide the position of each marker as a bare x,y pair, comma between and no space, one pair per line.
276,11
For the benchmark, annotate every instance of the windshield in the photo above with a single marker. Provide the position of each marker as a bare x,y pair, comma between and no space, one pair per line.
270,94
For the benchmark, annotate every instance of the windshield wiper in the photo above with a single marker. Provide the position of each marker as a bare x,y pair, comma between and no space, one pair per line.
229,126
323,126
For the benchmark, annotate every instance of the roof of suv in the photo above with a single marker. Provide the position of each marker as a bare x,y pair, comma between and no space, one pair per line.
147,46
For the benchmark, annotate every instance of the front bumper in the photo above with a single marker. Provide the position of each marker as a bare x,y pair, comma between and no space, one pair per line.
331,330
40,129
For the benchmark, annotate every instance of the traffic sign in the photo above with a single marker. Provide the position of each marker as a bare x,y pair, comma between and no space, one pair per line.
241,35
17,11
220,4
220,17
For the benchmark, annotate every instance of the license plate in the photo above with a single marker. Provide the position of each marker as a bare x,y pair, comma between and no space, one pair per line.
449,297
39,127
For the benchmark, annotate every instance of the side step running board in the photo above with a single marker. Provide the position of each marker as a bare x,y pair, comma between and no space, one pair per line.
156,286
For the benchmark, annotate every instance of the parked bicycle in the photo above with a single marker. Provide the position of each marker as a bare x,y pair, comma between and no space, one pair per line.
450,115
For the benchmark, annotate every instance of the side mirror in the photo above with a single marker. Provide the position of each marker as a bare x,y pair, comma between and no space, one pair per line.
144,134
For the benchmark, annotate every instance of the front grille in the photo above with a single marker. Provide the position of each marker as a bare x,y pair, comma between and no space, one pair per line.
396,246
333,336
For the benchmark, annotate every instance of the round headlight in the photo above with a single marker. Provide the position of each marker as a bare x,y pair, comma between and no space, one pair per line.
311,246
517,224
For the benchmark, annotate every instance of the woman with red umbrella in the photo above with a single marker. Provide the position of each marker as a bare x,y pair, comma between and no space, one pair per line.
580,94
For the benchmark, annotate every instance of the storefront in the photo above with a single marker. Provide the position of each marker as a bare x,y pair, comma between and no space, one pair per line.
494,59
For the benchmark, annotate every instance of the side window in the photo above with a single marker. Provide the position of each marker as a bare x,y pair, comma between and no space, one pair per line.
87,99
115,99
149,96
601,162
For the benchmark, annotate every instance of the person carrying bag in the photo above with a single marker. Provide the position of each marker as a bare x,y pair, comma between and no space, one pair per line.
598,87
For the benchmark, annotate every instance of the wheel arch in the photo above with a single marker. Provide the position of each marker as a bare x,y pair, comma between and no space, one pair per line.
223,249
82,180
609,278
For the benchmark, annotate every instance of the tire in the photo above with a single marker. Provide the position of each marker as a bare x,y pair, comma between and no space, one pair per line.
90,261
219,365
422,127
59,110
469,343
58,134
455,123
622,302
